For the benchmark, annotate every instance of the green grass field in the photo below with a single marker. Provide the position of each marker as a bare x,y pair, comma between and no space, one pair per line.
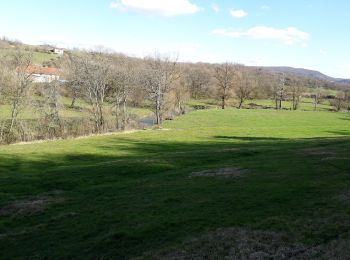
152,192
306,104
38,57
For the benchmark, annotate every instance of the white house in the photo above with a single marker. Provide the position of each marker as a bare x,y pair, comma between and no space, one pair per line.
43,74
58,51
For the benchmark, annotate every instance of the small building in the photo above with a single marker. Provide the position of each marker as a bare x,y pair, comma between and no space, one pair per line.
43,74
58,51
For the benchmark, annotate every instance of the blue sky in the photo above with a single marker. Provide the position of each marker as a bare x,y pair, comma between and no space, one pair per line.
312,34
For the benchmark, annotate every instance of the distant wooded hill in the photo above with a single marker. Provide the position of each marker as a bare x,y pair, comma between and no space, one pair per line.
306,73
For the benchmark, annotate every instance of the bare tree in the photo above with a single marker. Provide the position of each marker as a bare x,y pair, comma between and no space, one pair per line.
157,78
339,101
347,99
225,75
279,90
263,83
137,95
121,85
197,80
317,94
5,82
19,79
72,69
181,95
246,83
295,89
91,72
50,108
5,77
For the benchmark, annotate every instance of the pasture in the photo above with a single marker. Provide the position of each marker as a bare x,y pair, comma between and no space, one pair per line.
197,187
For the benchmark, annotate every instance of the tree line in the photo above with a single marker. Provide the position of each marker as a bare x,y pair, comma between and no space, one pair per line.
159,82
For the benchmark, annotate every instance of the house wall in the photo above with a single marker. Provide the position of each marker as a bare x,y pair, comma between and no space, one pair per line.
58,51
42,78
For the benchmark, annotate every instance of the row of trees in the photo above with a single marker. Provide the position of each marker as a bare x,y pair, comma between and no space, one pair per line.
116,79
99,79
159,82
242,83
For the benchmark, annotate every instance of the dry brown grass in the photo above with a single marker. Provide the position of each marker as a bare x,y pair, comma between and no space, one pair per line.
344,197
220,172
317,151
234,243
31,206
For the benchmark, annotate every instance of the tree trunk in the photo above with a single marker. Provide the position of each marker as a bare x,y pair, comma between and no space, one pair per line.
276,102
240,103
73,101
223,102
158,111
14,114
315,103
100,118
280,102
117,111
294,102
124,114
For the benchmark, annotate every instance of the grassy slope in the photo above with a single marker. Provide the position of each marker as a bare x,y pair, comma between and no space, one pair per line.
127,194
38,57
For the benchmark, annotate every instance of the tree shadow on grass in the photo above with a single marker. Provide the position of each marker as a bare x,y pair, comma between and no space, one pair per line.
346,116
250,138
141,197
340,132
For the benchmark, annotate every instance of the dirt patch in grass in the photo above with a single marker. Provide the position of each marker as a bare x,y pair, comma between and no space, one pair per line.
317,151
234,243
229,149
334,158
29,207
220,172
343,197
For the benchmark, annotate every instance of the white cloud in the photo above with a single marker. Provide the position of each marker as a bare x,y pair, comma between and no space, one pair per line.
215,8
157,7
288,36
238,13
265,7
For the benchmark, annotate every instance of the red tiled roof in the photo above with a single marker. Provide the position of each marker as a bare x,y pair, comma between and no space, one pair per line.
42,70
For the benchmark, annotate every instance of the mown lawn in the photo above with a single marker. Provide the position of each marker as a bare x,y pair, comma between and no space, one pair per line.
129,195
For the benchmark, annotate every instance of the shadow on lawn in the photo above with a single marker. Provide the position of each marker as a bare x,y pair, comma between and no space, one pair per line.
251,138
123,205
341,132
345,116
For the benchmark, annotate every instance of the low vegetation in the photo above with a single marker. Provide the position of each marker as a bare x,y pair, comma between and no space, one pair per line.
213,183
